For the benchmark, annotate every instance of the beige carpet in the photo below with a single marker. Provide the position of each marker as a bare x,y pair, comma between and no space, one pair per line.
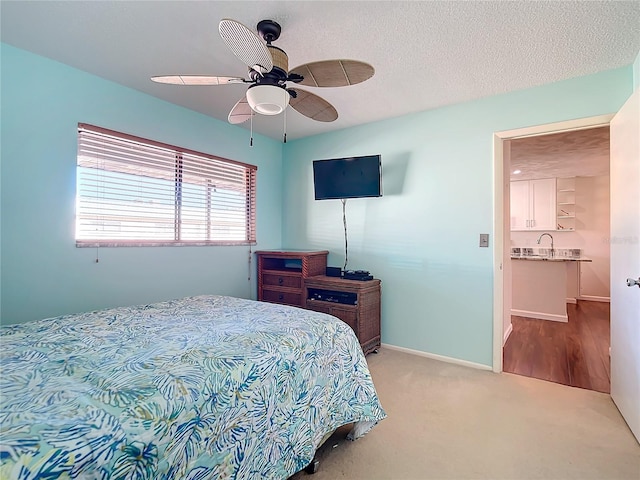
451,422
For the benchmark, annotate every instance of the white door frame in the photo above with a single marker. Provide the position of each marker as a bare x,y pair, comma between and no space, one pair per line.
501,177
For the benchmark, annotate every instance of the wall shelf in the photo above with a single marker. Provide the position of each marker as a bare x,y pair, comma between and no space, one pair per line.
566,204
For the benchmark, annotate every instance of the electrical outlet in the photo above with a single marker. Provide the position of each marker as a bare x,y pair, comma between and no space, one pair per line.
484,239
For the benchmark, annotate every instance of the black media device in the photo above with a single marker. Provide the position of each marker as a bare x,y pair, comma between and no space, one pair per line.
345,298
333,272
349,177
362,275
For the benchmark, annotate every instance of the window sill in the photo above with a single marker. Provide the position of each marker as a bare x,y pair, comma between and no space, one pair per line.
140,243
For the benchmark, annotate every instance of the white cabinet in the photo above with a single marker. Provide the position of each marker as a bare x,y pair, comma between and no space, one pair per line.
533,204
520,205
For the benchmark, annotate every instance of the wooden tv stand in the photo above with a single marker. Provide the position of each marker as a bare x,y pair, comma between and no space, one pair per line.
363,317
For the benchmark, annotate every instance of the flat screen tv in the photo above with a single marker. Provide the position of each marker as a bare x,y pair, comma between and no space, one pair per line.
349,177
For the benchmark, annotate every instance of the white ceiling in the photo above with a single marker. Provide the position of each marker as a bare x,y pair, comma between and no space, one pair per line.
581,153
426,53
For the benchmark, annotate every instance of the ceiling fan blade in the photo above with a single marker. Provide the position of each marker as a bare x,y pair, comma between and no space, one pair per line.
313,106
196,80
246,45
334,73
241,112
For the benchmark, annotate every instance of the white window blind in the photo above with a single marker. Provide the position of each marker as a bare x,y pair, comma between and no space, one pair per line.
137,192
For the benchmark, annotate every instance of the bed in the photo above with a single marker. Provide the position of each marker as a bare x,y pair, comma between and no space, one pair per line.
196,388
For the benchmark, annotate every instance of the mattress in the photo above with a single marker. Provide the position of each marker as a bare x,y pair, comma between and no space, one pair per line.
195,388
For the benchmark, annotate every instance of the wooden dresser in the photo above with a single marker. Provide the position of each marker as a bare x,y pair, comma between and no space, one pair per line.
361,310
281,274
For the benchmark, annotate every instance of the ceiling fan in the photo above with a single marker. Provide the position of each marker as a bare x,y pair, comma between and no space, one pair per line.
268,93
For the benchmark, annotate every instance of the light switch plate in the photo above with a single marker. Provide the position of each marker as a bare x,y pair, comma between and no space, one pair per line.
484,239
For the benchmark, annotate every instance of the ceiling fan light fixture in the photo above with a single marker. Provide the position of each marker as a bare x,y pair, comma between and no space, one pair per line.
267,99
269,74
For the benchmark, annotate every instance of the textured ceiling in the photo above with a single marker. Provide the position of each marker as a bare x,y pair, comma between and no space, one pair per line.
426,54
581,153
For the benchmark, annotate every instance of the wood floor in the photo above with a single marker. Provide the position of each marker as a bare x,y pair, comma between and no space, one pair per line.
574,353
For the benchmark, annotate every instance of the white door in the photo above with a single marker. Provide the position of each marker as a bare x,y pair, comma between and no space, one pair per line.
625,261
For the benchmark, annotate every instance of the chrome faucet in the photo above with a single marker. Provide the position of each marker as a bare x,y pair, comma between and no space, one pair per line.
550,236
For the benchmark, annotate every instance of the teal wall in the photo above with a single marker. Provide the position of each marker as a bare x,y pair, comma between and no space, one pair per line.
43,273
421,237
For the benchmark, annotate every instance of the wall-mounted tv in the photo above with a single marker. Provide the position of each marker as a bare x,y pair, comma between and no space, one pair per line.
349,177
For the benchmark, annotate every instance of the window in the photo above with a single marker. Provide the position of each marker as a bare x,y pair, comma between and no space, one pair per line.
137,192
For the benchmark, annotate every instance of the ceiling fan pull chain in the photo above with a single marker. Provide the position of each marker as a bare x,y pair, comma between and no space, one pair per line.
251,138
285,125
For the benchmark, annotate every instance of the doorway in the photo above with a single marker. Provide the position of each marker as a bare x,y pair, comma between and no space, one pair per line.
502,234
565,341
625,229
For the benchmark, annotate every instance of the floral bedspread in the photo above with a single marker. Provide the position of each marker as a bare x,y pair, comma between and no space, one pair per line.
198,388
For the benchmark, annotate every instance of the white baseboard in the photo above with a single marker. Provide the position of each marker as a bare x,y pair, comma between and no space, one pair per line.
441,358
572,300
594,298
507,333
542,316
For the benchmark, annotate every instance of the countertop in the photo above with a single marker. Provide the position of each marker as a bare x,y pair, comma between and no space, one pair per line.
550,259
545,254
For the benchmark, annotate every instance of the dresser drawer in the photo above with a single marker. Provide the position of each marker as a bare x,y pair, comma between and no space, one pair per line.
316,306
277,296
290,281
347,314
